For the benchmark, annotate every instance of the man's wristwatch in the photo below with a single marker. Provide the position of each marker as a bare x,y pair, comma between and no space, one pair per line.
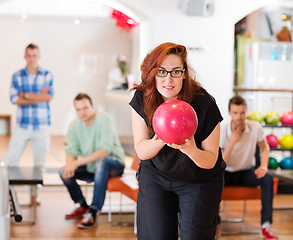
23,95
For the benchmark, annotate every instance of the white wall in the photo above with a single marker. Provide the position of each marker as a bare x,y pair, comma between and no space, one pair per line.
63,46
214,67
80,57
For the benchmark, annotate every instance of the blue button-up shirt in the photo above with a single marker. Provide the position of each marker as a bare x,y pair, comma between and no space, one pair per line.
35,116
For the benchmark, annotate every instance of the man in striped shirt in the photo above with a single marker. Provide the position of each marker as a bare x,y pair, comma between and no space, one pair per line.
31,90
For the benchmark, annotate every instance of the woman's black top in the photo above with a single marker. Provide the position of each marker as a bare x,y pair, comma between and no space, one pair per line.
173,163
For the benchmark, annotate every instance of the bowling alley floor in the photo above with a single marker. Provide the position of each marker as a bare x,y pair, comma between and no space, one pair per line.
55,202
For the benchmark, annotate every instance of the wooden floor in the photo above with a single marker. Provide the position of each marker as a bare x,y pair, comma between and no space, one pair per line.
51,224
55,202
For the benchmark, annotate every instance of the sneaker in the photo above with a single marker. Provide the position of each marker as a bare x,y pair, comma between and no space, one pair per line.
268,233
87,221
78,212
217,235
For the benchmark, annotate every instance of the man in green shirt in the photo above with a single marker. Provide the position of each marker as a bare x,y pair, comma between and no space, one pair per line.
93,153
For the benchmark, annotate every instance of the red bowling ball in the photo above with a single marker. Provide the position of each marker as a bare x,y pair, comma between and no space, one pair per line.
175,121
272,140
287,118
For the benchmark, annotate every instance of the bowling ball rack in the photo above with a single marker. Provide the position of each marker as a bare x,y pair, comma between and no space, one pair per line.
283,186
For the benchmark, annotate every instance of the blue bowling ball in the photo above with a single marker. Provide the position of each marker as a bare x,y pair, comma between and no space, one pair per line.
286,163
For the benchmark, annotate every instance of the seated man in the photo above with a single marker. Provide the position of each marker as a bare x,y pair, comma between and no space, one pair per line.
93,153
238,141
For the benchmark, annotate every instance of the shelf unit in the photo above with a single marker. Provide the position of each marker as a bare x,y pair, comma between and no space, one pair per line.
282,149
239,89
267,85
280,126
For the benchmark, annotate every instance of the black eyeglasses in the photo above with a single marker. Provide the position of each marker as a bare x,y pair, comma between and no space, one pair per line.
174,73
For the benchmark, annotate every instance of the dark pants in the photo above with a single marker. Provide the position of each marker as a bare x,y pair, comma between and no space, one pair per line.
163,202
248,178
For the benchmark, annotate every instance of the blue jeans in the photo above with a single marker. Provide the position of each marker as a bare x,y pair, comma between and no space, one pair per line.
104,169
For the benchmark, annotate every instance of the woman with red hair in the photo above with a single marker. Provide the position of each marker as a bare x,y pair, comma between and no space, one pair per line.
178,184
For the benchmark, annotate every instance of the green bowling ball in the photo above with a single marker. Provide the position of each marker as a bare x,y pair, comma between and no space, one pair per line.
273,163
272,118
255,116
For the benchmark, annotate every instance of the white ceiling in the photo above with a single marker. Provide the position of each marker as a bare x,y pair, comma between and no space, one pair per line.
56,8
95,8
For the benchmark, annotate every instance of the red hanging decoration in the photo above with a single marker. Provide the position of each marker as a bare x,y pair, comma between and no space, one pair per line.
123,22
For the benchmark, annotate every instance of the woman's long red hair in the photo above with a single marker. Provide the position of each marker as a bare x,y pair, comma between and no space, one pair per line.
151,97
